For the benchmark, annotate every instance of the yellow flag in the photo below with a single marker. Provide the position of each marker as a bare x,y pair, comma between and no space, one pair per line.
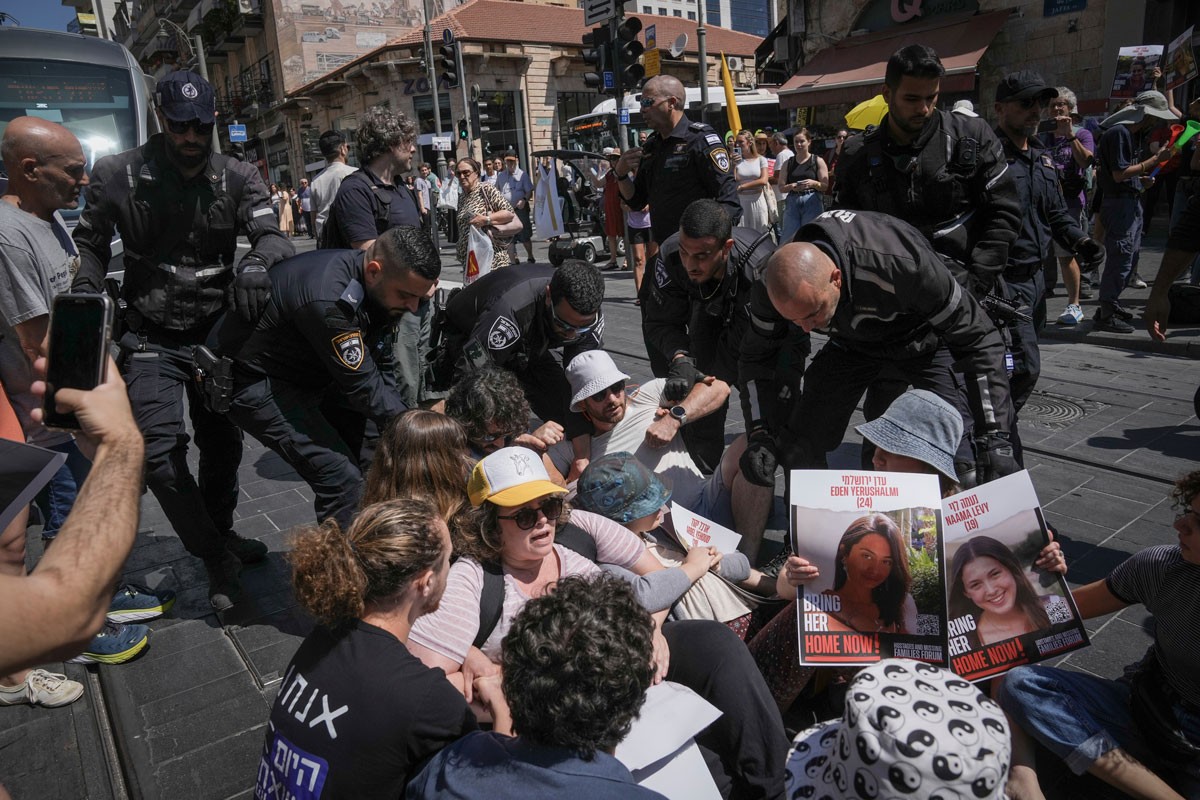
731,109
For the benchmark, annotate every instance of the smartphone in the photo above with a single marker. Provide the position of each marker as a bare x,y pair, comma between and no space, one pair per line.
1047,125
80,331
737,151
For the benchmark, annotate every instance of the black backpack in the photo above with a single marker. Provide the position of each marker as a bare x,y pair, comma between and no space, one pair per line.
331,237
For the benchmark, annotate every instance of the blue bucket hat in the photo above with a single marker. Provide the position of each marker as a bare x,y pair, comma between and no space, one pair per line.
620,487
920,425
183,96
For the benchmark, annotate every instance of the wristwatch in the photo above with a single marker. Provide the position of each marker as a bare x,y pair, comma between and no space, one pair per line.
680,415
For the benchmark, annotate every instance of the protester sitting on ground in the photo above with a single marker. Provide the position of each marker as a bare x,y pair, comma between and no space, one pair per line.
948,740
491,405
421,453
357,708
644,424
519,543
55,612
576,667
621,488
1117,729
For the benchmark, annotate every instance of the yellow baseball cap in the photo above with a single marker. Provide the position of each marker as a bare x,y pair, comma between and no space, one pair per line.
509,477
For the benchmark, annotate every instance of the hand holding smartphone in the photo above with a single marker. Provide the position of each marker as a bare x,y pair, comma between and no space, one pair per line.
77,356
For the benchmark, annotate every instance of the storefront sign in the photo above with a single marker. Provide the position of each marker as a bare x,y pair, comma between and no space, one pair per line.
1053,7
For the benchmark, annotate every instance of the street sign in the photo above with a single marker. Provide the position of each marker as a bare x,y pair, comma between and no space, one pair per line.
443,143
447,36
597,11
610,80
651,59
624,116
237,133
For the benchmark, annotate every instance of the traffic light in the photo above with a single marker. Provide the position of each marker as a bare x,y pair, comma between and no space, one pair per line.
450,64
463,133
596,54
626,52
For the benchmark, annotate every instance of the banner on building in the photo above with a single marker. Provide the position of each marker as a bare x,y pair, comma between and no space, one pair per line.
1135,70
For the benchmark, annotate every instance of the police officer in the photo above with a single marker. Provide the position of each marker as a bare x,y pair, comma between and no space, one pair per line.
179,209
1021,98
513,318
313,381
889,306
681,161
697,316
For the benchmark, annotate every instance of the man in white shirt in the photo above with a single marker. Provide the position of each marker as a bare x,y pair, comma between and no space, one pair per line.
639,422
782,153
325,186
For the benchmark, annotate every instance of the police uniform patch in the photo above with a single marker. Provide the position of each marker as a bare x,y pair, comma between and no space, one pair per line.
504,333
661,278
189,91
712,138
720,157
349,349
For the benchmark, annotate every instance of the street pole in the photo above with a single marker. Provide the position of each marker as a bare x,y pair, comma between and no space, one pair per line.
431,73
462,85
703,55
203,67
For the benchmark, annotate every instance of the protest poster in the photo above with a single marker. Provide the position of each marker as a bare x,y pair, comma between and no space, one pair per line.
1180,63
694,530
1002,611
876,539
26,469
1135,70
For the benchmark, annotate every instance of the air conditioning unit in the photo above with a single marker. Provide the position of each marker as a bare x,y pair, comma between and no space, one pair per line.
735,63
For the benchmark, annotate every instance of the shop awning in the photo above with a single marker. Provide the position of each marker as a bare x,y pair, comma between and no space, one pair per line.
852,70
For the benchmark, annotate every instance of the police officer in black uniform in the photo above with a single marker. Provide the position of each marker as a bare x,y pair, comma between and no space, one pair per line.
887,302
944,174
513,318
1021,98
179,208
697,317
314,380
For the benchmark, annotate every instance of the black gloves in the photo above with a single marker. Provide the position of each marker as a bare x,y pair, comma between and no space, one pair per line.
994,457
758,462
681,378
1089,252
251,290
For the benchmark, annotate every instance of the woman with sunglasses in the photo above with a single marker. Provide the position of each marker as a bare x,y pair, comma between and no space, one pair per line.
481,205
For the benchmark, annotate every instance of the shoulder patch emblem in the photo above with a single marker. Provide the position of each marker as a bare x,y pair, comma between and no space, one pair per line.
504,333
349,349
712,138
720,157
661,277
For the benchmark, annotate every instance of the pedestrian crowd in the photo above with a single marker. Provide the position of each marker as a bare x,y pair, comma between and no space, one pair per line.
494,573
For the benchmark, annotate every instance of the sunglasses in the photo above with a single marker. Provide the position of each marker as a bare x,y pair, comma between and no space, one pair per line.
527,518
646,102
465,173
1029,102
616,388
486,439
566,326
180,128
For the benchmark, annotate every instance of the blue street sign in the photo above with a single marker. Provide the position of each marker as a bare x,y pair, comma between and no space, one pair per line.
624,116
610,81
447,36
237,133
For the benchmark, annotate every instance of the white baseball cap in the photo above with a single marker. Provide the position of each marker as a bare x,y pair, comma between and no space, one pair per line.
511,476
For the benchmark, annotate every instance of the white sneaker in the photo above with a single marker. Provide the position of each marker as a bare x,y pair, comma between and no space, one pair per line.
42,688
1072,315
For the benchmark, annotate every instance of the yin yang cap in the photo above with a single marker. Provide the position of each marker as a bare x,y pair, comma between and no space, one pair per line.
909,729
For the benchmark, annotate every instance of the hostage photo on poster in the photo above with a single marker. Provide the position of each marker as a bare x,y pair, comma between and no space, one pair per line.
1003,612
876,539
1135,70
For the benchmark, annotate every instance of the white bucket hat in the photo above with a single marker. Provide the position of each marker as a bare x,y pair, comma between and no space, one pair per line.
588,373
910,729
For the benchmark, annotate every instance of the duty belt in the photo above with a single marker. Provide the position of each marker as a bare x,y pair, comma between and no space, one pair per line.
1021,272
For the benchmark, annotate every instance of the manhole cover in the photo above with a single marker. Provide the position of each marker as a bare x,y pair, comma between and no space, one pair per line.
1054,411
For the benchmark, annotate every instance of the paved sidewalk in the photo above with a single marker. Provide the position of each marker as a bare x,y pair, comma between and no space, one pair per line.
1107,432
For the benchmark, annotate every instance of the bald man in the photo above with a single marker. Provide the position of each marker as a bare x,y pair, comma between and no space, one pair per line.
891,308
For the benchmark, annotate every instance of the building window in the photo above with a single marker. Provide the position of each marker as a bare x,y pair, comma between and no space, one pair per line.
573,104
677,12
692,15
647,10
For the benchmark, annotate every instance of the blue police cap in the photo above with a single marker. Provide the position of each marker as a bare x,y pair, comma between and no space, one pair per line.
183,95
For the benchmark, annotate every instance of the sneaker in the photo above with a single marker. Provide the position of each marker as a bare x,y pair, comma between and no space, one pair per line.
531,260
42,688
135,603
224,588
1085,292
248,551
1120,312
1135,282
114,644
1111,323
1072,315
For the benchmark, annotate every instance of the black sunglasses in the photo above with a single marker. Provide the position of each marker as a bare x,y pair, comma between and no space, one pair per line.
526,518
616,388
486,439
1027,103
180,128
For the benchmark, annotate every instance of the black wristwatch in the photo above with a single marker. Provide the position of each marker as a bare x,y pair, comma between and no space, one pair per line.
680,415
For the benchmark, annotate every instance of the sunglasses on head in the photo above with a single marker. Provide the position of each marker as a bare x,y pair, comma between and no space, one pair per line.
616,388
566,326
180,128
526,518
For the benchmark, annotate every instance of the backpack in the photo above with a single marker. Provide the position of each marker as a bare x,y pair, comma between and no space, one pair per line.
331,237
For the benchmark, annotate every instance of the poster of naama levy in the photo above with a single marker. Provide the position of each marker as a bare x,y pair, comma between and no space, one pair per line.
876,538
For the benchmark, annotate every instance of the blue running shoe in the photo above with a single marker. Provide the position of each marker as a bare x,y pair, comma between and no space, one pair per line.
134,603
114,644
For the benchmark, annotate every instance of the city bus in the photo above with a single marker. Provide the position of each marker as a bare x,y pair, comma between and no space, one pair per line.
757,108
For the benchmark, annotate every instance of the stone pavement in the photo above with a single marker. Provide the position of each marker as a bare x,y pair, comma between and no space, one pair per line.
1108,430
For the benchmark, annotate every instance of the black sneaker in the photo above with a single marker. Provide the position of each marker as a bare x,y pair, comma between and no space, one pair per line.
1112,323
224,588
248,551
